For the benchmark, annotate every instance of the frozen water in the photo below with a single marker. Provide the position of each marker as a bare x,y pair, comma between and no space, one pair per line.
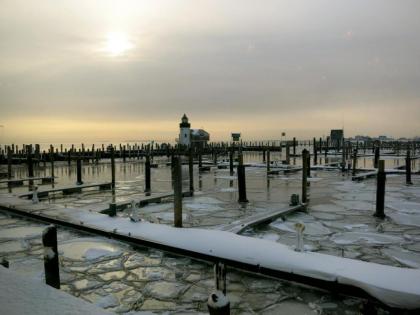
405,257
88,249
21,232
365,238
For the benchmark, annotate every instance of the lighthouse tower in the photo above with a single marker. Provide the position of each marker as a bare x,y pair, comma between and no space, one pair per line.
184,131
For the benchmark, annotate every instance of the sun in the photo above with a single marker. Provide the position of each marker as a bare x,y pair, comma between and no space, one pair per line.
117,44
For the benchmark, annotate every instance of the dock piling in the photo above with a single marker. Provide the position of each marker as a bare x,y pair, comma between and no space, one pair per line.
241,180
380,190
177,171
52,273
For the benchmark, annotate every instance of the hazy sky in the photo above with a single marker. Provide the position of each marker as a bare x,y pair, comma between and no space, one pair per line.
107,70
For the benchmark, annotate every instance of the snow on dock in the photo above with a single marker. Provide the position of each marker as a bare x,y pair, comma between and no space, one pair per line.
66,190
240,225
22,295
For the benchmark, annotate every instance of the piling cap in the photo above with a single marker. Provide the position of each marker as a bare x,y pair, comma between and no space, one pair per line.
217,300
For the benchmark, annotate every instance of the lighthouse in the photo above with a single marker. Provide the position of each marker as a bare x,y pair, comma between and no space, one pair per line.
184,131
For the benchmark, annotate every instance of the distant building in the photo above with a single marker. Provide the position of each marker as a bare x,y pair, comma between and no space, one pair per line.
191,137
336,136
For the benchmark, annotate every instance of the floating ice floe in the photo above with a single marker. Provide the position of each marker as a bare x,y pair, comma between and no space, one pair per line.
405,257
311,228
405,206
405,219
355,205
26,232
347,238
88,249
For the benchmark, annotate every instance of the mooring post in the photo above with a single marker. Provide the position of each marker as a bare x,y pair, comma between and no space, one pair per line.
294,146
377,156
52,163
147,175
268,161
231,151
177,167
123,154
52,273
191,170
354,162
308,166
263,155
9,163
200,159
79,171
287,153
408,169
380,190
112,167
30,161
343,156
304,176
241,179
218,303
315,152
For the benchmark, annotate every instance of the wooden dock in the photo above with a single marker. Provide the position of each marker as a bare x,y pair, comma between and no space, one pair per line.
66,190
260,218
121,206
20,181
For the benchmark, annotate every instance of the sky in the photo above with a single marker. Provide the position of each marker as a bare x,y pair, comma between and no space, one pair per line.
85,70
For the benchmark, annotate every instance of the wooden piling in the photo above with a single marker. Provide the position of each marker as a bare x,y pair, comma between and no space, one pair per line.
147,175
231,151
191,170
177,167
377,157
408,169
354,162
380,190
241,180
112,167
268,161
79,172
287,153
52,163
304,176
52,273
9,162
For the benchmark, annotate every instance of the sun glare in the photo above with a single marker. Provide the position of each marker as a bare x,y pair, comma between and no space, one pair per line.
117,44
